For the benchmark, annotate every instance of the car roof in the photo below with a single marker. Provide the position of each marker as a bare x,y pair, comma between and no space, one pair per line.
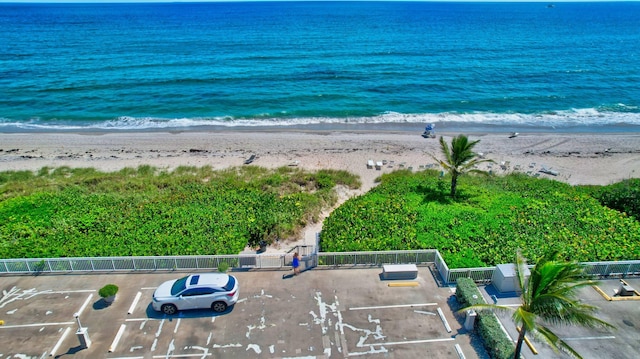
207,279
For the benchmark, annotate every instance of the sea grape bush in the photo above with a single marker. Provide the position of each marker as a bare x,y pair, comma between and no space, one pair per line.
623,196
145,212
487,223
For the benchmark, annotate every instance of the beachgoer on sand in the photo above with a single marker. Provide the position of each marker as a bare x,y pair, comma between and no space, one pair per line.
296,264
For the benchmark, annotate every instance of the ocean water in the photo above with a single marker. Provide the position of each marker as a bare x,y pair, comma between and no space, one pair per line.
189,66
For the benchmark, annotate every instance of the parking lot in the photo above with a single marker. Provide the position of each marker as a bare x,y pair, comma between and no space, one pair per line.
591,343
318,314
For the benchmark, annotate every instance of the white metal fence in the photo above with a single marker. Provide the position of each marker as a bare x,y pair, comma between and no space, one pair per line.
310,257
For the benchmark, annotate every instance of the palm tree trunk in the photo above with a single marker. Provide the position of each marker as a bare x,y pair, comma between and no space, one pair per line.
516,354
454,184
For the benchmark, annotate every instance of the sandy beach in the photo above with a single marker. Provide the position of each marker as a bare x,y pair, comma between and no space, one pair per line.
572,158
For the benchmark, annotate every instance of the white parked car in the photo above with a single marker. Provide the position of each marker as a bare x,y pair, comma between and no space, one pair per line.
196,291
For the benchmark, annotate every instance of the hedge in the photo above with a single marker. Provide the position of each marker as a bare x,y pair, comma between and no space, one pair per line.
496,343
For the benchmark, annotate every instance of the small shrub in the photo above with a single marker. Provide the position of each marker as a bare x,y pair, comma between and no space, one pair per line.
465,290
108,290
223,267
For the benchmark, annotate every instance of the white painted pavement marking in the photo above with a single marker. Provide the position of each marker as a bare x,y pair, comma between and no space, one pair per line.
135,302
177,325
165,356
418,341
205,351
84,305
423,312
140,319
218,346
444,320
59,343
372,351
394,306
34,325
155,340
459,351
171,349
590,338
254,347
112,348
16,293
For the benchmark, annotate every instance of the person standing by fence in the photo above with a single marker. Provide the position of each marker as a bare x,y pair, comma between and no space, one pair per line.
296,263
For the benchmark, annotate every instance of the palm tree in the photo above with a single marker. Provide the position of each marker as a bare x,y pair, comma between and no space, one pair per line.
550,296
459,159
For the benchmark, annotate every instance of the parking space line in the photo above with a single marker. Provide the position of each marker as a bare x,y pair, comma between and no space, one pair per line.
168,356
35,325
135,302
418,341
59,343
590,338
394,306
84,305
112,348
444,320
139,319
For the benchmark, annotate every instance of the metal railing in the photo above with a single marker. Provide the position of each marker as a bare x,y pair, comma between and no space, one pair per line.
310,257
110,264
375,259
620,269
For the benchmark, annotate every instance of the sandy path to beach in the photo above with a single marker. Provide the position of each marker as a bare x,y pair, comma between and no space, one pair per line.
574,158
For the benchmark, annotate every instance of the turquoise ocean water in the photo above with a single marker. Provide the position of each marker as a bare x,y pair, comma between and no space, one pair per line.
191,66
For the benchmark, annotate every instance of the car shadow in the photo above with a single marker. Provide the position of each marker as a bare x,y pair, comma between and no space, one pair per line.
193,313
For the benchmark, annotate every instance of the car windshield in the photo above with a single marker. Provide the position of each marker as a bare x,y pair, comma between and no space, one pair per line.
179,285
230,284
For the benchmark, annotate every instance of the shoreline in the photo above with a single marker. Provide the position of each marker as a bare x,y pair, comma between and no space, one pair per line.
346,126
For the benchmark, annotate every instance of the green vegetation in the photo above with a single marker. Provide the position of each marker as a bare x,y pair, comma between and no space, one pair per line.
497,344
486,223
223,267
459,159
623,196
82,212
108,290
549,295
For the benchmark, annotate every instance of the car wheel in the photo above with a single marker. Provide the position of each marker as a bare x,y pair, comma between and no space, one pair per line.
219,306
169,309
